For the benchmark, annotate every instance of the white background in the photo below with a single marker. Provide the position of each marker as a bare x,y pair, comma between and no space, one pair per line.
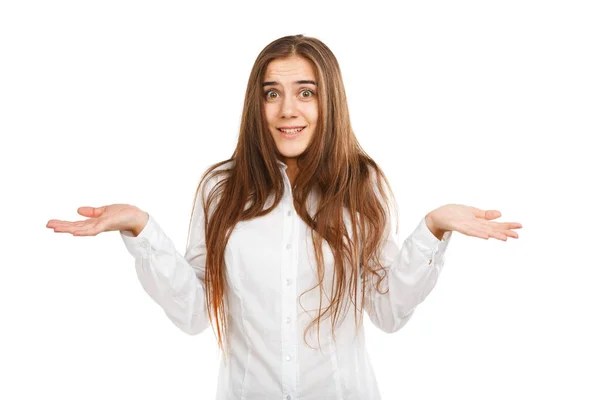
489,104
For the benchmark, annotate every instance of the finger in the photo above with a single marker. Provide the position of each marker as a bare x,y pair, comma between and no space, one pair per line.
493,229
57,225
471,231
55,222
92,212
506,225
486,214
70,227
91,229
63,224
485,225
492,214
498,230
66,228
499,236
63,228
86,232
506,233
86,211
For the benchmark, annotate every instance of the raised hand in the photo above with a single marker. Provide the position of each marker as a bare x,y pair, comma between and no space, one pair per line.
470,221
114,217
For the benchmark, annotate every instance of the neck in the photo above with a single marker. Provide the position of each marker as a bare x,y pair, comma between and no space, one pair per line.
292,168
291,173
290,162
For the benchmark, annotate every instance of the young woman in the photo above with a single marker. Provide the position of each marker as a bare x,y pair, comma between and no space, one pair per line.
287,236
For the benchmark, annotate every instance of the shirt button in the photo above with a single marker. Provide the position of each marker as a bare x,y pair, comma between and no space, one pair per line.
288,358
288,246
288,281
288,397
289,212
288,320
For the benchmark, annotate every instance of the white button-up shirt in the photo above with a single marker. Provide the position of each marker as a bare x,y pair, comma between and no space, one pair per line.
270,262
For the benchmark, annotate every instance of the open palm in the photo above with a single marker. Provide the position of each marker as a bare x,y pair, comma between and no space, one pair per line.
113,217
473,221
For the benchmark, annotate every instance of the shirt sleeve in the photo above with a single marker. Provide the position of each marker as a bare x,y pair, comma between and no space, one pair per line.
173,281
412,272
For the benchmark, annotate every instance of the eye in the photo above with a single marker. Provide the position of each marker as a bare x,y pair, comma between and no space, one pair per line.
268,94
307,91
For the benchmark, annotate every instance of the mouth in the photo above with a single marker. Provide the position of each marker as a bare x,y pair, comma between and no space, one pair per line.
290,132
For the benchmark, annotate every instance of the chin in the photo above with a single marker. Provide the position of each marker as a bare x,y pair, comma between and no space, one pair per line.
291,152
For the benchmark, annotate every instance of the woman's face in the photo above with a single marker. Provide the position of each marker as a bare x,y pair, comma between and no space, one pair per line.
290,90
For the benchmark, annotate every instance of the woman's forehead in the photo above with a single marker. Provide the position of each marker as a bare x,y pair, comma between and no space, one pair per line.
291,68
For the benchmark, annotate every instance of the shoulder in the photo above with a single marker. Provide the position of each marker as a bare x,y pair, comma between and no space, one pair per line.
208,185
214,174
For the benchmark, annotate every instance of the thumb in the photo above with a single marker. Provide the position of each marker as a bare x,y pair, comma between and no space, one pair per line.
492,214
90,212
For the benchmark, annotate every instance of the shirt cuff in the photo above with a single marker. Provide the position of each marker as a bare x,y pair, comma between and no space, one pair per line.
141,246
430,245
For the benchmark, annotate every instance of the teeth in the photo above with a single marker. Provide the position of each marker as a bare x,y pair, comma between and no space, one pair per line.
291,130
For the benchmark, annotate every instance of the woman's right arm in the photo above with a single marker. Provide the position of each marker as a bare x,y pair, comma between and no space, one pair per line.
173,281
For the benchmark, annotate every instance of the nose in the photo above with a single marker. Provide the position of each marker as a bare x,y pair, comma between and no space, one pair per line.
288,107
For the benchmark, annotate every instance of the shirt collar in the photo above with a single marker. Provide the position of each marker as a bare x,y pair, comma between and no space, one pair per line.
282,164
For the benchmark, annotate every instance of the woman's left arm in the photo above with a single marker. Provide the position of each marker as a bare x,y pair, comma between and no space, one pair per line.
413,269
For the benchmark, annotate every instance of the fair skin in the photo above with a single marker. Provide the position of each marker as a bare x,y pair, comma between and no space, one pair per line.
290,90
470,221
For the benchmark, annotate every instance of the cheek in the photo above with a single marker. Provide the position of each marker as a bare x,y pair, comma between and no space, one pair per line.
309,112
270,114
313,113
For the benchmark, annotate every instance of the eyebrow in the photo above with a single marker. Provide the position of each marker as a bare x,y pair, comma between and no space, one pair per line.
301,82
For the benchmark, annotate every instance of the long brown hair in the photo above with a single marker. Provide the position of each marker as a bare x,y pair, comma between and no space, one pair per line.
334,164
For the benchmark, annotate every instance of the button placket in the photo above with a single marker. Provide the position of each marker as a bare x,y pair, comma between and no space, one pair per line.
288,296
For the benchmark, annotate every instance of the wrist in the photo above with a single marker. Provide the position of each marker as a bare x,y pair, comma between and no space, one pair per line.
433,228
140,222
